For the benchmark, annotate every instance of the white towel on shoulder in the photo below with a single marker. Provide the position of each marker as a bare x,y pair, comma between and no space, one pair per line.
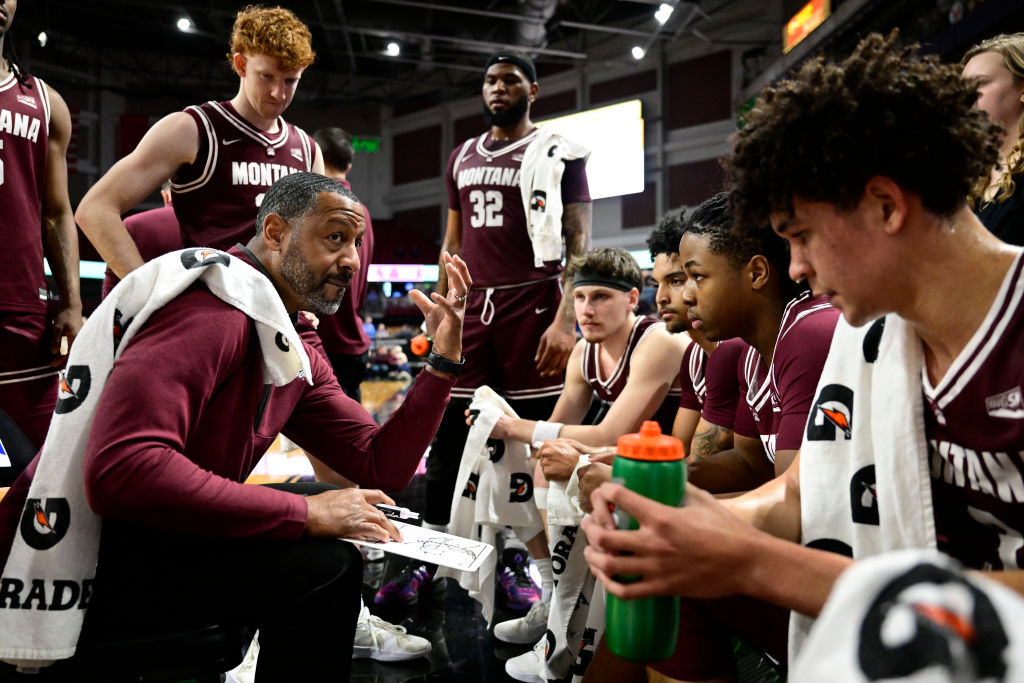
55,552
540,183
865,446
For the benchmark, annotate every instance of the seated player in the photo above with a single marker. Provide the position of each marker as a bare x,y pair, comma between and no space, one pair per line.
922,398
737,287
628,362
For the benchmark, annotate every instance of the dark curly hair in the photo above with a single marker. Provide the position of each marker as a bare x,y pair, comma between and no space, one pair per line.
713,220
882,111
665,238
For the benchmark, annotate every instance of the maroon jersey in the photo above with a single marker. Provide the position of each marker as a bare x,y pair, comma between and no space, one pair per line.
692,385
722,384
24,142
780,397
974,423
216,197
155,232
343,332
607,390
483,185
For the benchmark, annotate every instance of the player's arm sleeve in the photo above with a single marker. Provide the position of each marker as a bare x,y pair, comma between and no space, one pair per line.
722,384
797,372
340,432
135,464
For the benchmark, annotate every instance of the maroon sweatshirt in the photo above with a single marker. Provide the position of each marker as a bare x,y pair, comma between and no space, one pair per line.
185,416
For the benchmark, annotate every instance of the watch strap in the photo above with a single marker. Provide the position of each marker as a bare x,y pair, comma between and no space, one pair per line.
442,364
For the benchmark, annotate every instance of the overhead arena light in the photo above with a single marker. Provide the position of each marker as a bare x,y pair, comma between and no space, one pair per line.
663,12
42,38
638,52
184,24
394,49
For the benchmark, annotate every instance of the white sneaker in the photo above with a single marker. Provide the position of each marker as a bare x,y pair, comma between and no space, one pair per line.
246,671
384,642
525,629
529,666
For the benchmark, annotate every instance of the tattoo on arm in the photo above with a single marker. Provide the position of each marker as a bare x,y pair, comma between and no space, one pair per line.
710,440
576,220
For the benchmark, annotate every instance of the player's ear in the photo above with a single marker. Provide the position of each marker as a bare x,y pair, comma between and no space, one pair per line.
885,202
275,232
238,64
533,91
634,298
758,271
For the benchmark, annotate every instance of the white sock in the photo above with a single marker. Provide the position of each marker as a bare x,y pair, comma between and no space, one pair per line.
547,578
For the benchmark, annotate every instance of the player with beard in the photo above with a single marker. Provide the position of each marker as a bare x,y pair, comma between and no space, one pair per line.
182,534
34,183
221,157
709,390
519,329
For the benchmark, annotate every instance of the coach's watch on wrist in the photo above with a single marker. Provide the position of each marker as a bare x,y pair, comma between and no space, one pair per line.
442,364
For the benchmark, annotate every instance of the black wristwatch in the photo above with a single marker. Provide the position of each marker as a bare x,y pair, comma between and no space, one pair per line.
442,364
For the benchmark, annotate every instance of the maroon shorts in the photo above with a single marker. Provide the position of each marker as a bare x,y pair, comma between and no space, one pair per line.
500,337
704,647
28,386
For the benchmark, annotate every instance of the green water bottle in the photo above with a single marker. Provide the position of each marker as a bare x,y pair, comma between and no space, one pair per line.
651,464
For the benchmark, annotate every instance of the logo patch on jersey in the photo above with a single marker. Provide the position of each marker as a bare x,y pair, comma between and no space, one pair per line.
932,618
229,142
832,413
73,388
28,101
539,201
520,488
864,496
5,460
297,153
45,521
1007,404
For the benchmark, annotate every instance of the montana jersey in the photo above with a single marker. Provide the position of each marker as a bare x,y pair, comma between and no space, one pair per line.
974,423
692,386
608,389
780,397
216,197
483,185
722,384
24,142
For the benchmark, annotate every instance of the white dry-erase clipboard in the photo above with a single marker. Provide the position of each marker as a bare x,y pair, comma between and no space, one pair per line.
435,547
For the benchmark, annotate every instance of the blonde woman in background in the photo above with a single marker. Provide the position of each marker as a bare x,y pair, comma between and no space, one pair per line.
998,64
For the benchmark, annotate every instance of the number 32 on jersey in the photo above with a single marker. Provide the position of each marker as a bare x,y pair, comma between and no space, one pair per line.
486,209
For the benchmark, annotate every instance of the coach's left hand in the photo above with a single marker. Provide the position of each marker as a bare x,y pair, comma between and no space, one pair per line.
444,314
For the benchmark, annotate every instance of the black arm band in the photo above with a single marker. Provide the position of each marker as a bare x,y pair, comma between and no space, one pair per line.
442,364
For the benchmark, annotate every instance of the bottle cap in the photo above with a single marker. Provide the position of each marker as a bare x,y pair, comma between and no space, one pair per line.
650,444
420,344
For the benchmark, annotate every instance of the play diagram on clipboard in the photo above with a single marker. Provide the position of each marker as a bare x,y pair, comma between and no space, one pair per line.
446,550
